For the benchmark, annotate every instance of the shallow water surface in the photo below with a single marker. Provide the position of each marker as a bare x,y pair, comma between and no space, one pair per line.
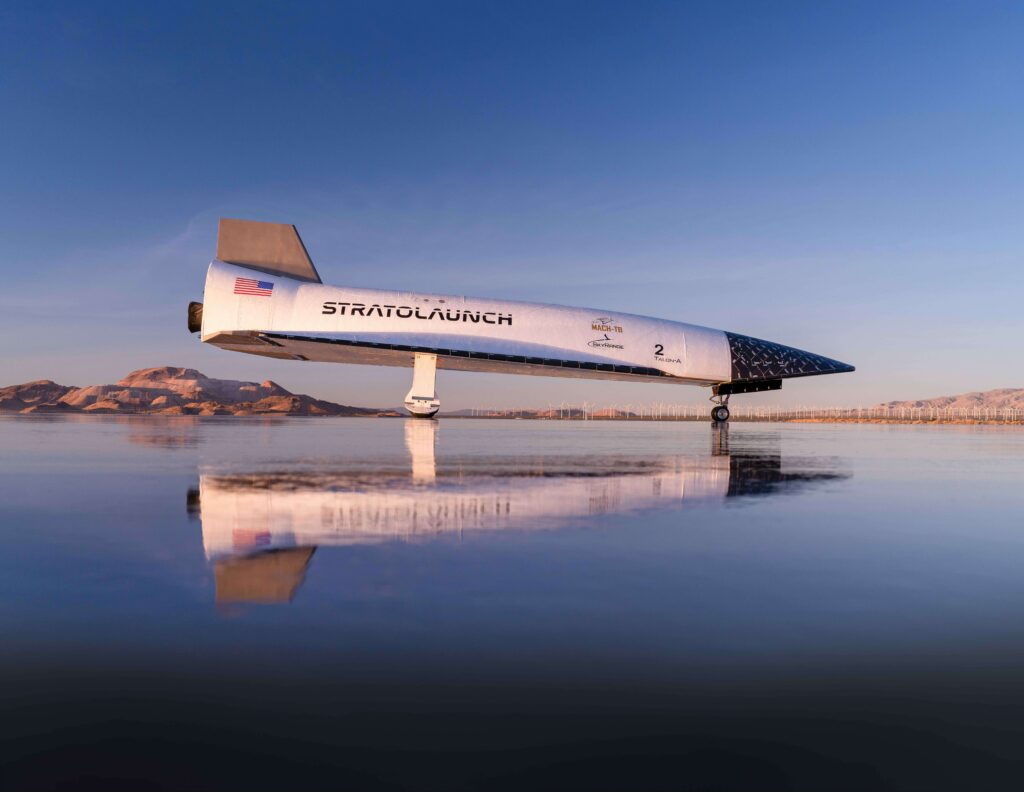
392,604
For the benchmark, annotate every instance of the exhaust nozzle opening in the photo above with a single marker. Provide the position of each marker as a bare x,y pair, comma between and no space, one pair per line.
195,317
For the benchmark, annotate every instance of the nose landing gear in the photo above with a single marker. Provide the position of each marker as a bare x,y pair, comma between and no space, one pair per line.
721,392
720,412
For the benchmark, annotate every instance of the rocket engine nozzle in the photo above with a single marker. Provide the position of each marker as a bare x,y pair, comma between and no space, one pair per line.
195,317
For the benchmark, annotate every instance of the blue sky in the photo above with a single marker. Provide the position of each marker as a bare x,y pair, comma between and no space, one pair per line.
847,178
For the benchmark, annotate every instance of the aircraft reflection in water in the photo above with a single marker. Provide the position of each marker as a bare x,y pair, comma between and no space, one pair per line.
260,530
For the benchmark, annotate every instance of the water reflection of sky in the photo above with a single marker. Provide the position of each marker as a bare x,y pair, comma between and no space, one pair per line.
260,528
805,575
824,524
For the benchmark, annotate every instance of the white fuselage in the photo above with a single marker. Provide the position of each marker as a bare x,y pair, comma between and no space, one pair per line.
319,322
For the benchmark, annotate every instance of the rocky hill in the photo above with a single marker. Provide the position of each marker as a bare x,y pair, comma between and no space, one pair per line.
169,390
1000,399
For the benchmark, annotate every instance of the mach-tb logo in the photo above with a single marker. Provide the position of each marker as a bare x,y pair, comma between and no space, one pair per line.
605,325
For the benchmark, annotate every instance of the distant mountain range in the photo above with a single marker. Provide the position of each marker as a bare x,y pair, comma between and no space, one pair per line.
999,399
169,390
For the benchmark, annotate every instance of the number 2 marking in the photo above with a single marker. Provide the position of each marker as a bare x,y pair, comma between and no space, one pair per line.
659,349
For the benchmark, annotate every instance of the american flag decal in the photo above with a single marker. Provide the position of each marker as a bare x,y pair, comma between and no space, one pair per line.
253,287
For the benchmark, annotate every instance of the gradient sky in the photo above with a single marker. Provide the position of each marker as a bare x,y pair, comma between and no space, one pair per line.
847,178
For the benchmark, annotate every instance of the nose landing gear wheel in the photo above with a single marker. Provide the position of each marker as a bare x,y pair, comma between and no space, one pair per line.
720,414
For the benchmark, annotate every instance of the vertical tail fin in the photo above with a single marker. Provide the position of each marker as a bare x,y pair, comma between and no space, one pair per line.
275,248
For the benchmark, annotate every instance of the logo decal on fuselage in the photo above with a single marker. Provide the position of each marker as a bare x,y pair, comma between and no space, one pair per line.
605,343
605,324
415,312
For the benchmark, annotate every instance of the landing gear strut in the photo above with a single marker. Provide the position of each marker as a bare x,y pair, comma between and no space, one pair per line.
720,412
421,401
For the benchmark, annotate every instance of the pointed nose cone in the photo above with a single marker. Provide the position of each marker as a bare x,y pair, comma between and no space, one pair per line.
754,359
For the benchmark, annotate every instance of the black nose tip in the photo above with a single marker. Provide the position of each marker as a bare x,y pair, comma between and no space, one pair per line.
754,359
